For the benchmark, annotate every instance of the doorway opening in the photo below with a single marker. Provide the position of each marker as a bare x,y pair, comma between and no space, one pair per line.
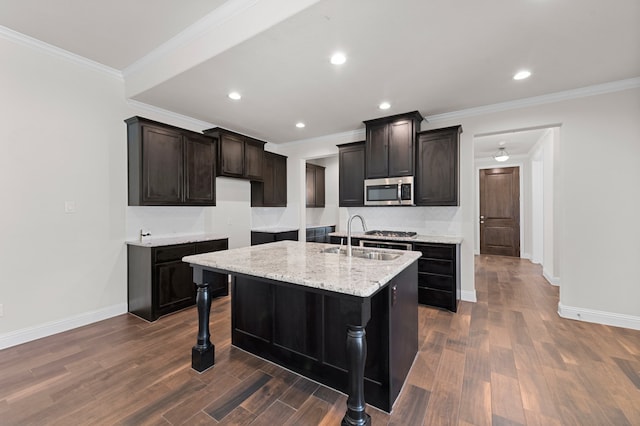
519,219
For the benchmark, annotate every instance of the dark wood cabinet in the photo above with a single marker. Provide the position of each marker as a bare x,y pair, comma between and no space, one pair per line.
439,275
319,234
272,191
390,143
238,156
159,282
437,170
169,166
315,185
303,329
262,237
351,160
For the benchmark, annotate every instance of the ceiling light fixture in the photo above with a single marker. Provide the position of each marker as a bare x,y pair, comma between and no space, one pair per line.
235,96
521,75
502,155
300,125
338,58
384,105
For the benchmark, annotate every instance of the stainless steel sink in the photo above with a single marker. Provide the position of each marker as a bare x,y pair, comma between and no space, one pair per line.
363,254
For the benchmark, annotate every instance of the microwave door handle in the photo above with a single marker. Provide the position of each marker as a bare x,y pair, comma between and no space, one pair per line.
399,193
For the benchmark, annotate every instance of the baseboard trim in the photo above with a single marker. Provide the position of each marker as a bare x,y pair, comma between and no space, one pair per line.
552,280
28,334
599,317
468,295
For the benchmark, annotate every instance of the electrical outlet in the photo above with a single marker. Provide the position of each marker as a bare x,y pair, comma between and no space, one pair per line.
69,206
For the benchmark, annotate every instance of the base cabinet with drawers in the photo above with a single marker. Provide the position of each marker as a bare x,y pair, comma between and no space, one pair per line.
159,282
264,237
439,275
319,234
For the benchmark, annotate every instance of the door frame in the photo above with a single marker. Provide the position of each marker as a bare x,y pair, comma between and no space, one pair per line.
518,163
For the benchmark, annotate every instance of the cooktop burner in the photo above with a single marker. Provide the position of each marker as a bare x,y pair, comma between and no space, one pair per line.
400,234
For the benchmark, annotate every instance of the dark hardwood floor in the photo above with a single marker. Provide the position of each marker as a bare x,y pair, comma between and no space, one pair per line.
506,360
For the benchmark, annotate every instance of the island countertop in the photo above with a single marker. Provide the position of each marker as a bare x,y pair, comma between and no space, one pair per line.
305,264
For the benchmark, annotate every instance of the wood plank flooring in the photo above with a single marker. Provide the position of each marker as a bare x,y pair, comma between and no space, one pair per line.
508,359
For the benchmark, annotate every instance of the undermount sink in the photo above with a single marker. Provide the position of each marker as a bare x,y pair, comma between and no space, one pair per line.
363,254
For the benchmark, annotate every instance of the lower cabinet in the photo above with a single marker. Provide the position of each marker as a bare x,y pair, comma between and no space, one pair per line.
319,234
159,282
439,275
261,237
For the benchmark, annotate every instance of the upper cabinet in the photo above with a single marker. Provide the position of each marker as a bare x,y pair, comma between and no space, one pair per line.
169,166
272,191
390,143
437,171
315,185
238,155
351,159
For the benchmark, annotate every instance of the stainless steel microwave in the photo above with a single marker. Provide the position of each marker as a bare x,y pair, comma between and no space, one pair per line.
396,191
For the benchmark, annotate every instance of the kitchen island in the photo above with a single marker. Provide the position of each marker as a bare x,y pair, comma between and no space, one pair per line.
308,307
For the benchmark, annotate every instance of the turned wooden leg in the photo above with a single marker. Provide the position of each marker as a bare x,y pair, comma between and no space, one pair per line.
356,356
203,353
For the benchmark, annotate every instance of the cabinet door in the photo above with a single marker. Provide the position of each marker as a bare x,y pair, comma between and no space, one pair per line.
199,161
268,168
231,153
377,165
175,287
253,158
437,168
401,137
280,181
351,175
162,166
319,186
311,185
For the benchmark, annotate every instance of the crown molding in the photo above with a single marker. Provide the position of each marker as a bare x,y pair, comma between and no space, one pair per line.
50,49
141,106
214,19
598,89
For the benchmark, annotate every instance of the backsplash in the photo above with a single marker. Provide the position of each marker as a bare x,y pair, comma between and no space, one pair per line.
423,220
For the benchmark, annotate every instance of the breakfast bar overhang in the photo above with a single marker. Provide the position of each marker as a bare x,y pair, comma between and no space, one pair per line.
350,323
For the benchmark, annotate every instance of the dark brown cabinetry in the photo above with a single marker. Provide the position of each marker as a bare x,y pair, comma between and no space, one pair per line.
315,185
390,145
272,191
319,234
439,275
437,171
239,156
351,159
262,237
159,282
169,166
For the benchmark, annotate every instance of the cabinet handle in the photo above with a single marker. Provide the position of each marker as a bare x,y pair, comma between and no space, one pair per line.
482,221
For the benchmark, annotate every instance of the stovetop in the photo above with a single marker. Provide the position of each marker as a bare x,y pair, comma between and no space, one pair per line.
400,234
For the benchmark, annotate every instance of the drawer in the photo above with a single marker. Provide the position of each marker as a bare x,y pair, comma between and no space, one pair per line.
173,253
439,282
434,266
436,251
438,298
213,245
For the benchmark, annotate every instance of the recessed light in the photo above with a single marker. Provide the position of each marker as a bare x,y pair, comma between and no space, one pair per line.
384,105
338,58
300,125
521,75
235,96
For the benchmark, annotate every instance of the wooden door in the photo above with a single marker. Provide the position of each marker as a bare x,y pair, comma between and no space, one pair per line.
377,164
231,155
319,186
253,158
351,175
200,158
437,174
162,166
311,185
500,211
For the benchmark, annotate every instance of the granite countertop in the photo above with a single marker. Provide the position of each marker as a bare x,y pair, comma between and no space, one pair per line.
274,229
304,264
169,241
442,239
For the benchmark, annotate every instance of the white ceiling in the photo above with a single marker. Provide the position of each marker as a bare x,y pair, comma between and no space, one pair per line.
433,56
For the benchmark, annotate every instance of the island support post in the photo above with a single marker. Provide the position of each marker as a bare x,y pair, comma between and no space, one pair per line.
203,353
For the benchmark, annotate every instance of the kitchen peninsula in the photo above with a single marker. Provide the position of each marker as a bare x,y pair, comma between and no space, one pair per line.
308,307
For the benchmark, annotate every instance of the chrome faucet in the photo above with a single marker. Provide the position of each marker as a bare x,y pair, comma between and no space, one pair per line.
364,227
